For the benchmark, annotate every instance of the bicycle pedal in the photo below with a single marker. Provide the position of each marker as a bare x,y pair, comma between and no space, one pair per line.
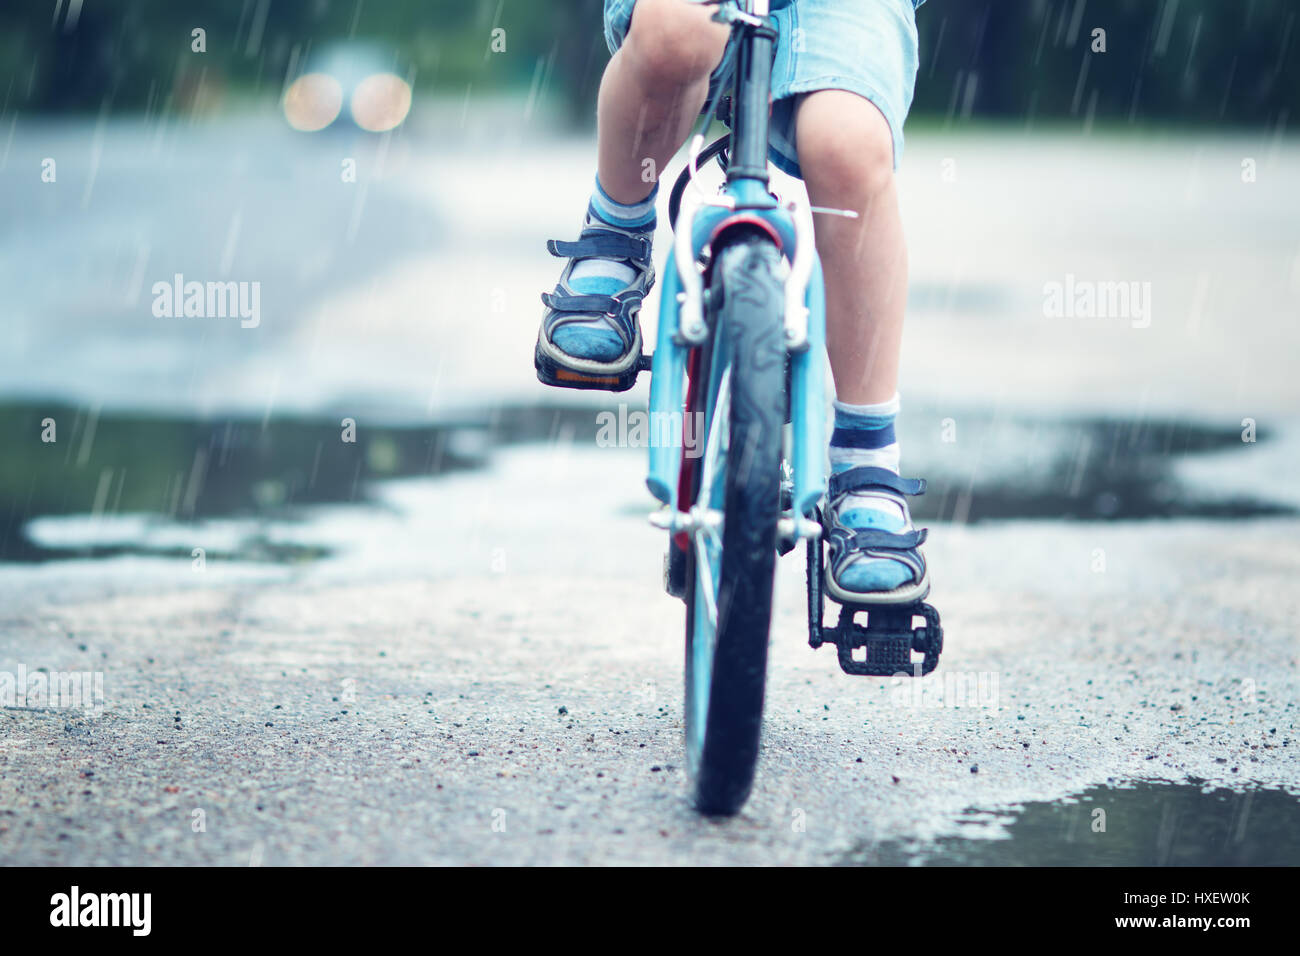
550,372
887,646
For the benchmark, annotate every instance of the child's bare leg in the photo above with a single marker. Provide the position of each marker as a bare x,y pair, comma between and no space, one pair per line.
650,96
846,154
652,92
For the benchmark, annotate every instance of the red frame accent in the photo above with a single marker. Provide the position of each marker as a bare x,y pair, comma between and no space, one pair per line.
686,474
747,218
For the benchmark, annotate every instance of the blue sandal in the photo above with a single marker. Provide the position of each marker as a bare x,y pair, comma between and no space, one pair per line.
850,545
619,312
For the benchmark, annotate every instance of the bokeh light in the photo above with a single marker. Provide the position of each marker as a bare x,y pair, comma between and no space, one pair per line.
381,102
312,102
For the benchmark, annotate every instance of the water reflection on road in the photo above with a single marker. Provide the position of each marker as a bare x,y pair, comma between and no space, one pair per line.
1142,823
114,484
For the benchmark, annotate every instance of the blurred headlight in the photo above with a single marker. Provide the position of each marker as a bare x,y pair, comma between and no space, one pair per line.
381,102
312,102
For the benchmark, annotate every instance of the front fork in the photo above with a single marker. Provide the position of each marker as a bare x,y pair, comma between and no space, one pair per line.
682,327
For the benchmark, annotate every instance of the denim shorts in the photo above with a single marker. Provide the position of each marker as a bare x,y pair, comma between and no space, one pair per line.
868,47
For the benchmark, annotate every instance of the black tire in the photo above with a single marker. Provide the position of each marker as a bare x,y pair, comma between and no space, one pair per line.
746,282
717,148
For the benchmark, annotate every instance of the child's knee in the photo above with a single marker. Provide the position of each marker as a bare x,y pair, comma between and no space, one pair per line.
845,145
673,43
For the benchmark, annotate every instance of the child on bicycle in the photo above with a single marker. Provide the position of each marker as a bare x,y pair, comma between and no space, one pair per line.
841,87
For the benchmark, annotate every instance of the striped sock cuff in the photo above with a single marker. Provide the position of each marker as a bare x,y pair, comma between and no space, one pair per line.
626,216
871,438
864,435
866,416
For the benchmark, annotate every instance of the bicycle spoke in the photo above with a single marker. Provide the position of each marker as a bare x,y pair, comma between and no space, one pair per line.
716,446
706,537
705,569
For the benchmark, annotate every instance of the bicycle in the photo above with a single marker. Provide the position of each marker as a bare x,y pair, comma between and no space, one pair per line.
740,342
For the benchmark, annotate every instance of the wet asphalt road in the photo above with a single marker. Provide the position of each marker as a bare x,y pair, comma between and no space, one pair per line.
518,700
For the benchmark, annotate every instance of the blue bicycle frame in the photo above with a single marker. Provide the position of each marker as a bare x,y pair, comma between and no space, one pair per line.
747,200
807,373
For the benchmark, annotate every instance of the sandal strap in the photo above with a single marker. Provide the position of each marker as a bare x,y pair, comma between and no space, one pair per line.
847,547
602,245
867,477
588,304
876,539
617,312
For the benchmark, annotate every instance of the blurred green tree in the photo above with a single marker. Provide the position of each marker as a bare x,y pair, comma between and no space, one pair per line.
1195,61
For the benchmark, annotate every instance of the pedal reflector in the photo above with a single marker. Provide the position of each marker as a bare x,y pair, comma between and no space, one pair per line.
566,375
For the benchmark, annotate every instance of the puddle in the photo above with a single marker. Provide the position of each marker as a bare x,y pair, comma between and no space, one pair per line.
102,468
1084,470
118,484
1148,823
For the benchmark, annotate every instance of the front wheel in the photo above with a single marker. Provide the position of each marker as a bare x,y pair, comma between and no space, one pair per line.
729,568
